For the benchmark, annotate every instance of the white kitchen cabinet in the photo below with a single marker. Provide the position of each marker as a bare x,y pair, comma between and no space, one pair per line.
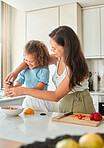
91,32
71,15
95,101
40,23
102,31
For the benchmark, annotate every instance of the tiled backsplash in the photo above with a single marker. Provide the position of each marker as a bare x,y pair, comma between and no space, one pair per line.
97,66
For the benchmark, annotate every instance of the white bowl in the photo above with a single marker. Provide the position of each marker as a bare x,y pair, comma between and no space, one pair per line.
14,112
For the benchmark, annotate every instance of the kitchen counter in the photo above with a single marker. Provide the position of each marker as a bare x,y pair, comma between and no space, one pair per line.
99,93
30,128
4,99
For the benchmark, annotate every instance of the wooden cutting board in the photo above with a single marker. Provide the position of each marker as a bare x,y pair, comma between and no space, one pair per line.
73,120
9,144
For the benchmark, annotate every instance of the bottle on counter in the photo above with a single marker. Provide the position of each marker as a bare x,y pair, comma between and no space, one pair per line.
95,81
90,82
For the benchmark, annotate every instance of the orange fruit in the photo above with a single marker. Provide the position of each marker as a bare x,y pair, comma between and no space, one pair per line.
29,111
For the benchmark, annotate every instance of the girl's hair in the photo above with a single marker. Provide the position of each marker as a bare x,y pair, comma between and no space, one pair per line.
73,55
40,52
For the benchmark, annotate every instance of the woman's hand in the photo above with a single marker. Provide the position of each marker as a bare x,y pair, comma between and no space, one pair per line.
13,92
11,75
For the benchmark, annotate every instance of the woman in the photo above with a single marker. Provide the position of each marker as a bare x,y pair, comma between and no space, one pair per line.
70,77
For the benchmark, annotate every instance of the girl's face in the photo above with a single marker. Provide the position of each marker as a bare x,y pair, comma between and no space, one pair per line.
30,61
56,48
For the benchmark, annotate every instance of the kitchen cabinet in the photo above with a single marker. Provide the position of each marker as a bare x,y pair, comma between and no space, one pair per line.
40,23
93,32
71,15
95,101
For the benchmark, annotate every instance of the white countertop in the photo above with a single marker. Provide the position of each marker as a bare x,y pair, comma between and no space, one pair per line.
3,98
30,128
99,93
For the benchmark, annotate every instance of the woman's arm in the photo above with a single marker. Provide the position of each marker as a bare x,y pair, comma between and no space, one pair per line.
13,75
40,86
55,96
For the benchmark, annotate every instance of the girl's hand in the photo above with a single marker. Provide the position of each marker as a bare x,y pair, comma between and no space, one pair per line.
11,75
7,85
13,92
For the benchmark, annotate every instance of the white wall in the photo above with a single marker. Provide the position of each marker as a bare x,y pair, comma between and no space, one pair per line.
18,37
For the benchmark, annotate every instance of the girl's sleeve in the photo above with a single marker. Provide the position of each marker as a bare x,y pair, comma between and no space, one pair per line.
44,76
21,77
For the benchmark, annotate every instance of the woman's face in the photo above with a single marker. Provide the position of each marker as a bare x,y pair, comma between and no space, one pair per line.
30,61
57,49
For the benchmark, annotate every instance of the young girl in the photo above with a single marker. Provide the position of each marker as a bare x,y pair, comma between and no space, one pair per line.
36,76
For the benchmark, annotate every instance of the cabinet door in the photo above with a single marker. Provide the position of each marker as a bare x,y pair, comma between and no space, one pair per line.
67,16
71,15
40,23
102,31
91,32
95,101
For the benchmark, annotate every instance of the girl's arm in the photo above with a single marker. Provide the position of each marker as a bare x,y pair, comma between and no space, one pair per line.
7,85
13,75
55,96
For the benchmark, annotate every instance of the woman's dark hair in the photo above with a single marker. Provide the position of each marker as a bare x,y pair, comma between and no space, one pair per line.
40,52
73,55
